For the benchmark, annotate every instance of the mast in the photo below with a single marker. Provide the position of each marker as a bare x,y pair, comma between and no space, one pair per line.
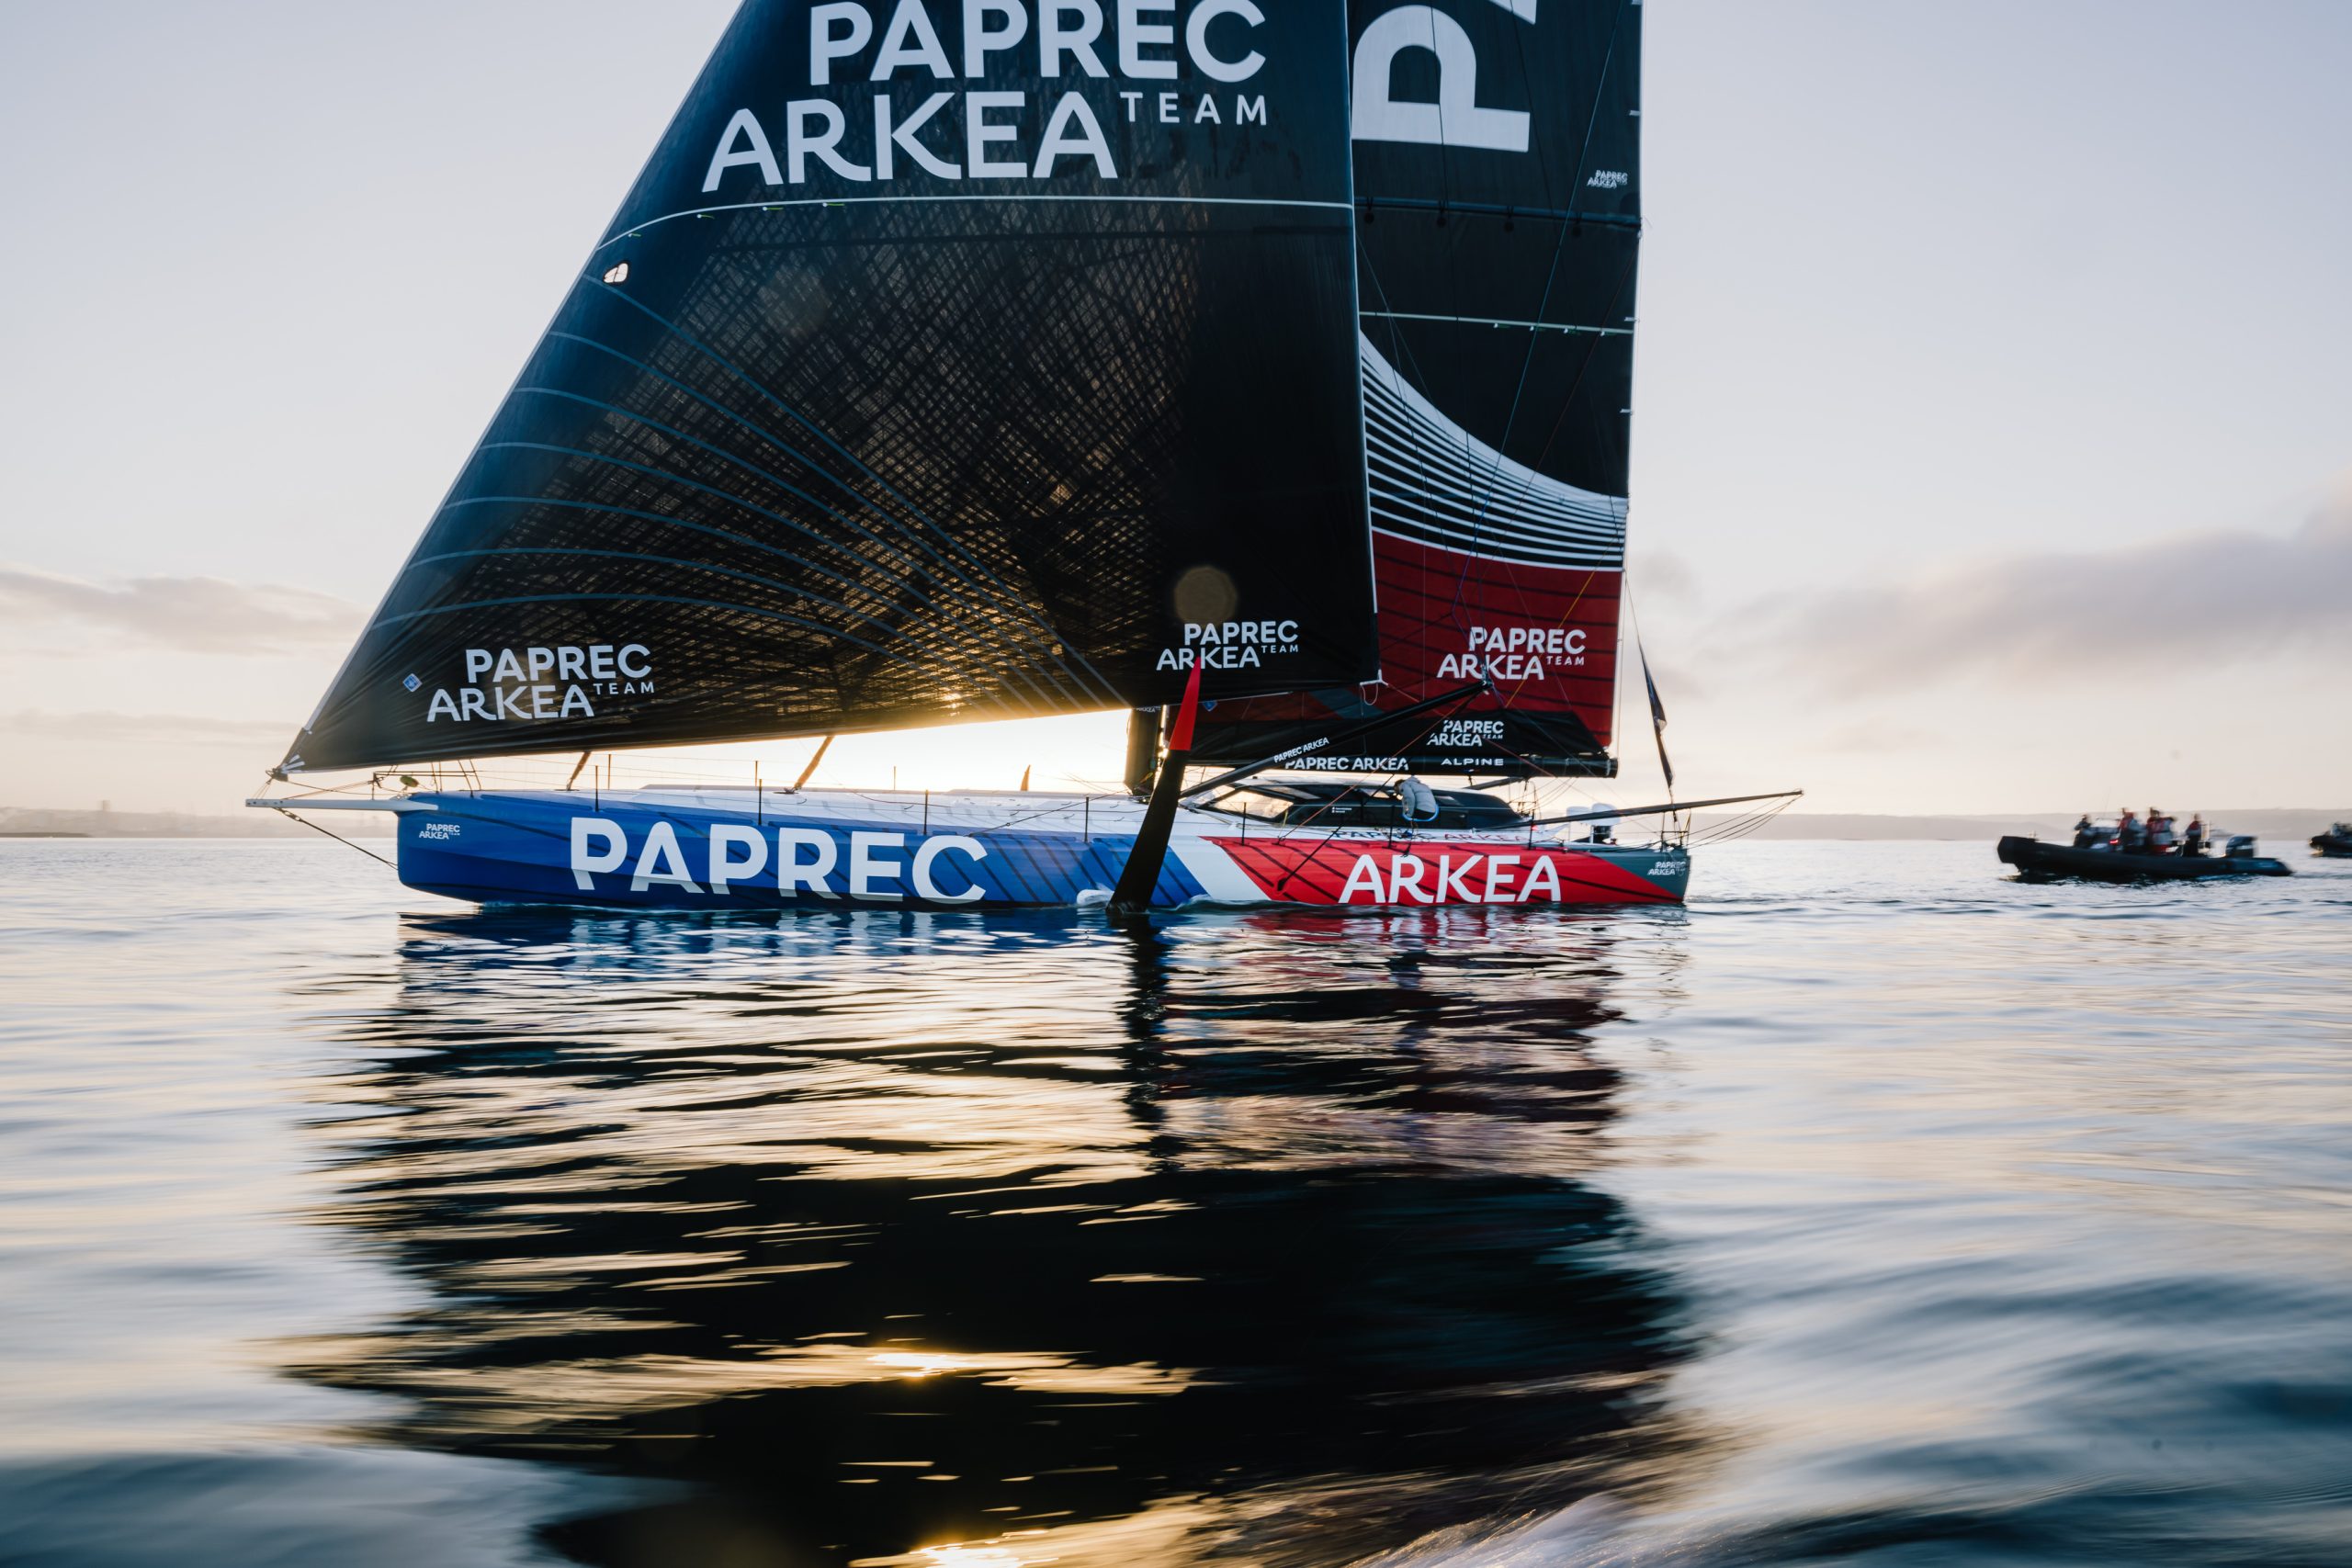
1143,750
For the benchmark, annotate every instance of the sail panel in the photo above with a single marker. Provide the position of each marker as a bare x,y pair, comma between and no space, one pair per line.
1497,181
916,383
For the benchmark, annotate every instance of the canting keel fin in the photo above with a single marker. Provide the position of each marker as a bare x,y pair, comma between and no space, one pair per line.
1141,874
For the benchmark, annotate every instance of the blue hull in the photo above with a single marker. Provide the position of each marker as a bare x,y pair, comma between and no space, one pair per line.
515,848
714,850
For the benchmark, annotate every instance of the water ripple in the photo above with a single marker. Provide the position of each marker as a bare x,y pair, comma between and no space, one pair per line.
1873,1207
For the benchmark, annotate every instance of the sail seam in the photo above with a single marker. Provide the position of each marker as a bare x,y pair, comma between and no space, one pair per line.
634,230
899,632
1492,321
953,544
707,490
1487,555
816,626
1004,602
919,596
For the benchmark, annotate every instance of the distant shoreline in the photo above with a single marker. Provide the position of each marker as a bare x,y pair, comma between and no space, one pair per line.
48,822
2282,824
2275,823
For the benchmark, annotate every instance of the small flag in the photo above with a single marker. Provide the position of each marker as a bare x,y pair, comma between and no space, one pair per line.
1658,720
1179,737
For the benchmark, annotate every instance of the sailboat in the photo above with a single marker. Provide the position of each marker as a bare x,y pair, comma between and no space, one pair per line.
1263,371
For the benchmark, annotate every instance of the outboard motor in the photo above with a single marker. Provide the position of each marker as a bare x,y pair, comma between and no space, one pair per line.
2241,847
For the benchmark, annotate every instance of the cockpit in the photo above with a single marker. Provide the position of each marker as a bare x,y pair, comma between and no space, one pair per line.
1316,802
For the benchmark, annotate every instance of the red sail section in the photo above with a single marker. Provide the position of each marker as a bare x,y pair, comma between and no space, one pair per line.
1543,636
1332,871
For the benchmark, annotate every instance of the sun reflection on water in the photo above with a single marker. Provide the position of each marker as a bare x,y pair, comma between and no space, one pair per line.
1053,1227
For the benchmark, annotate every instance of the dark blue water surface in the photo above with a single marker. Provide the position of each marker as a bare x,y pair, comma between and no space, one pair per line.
1875,1208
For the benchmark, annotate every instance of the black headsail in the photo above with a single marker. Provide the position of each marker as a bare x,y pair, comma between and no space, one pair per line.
950,360
1498,188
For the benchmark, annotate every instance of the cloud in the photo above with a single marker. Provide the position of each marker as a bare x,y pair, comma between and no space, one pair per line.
1877,736
156,729
193,615
1661,577
2191,601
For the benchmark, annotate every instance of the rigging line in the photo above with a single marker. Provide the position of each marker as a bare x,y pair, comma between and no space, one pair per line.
855,495
1047,636
696,527
677,118
1519,547
1559,246
1402,420
1332,838
1526,365
1568,615
636,230
830,543
640,599
1565,404
777,479
714,531
1535,146
729,497
1404,359
338,838
305,793
1617,693
1525,526
1616,302
1444,158
795,590
1512,210
1413,533
1425,460
1569,327
1013,605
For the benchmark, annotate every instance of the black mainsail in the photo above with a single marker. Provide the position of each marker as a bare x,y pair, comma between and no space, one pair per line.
1498,174
947,361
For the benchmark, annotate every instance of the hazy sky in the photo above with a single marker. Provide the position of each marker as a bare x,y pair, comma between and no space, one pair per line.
1992,437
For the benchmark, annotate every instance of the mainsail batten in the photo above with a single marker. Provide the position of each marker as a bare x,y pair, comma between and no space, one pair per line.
855,458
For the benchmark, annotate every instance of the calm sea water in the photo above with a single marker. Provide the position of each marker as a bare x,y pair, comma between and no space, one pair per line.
1874,1209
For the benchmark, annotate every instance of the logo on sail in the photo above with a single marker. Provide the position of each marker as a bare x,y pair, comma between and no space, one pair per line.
988,132
1515,653
1455,119
507,684
1230,645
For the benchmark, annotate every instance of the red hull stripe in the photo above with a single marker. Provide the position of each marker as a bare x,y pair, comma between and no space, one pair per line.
1501,873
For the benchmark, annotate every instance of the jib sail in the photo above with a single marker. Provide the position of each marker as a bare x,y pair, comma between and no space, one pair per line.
947,361
1497,196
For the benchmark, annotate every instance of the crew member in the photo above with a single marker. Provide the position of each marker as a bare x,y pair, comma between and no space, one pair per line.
2193,844
2086,832
2128,834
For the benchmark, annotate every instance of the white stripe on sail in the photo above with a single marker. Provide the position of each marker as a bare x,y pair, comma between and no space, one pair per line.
1433,482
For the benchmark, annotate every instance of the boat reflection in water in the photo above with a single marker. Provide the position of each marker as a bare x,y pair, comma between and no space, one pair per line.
889,1231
